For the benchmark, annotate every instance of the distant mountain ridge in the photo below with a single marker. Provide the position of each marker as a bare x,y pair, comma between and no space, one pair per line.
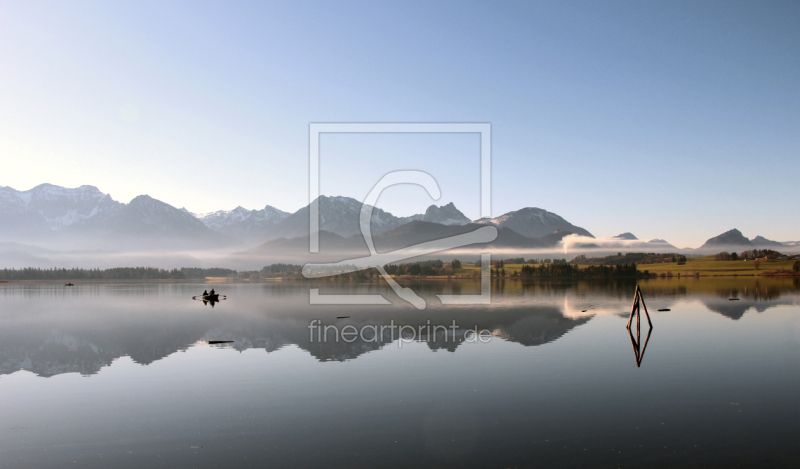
339,215
734,240
49,208
533,222
732,237
446,215
84,218
336,247
223,218
148,224
241,223
760,241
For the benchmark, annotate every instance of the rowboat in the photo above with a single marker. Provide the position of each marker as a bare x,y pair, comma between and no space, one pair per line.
215,297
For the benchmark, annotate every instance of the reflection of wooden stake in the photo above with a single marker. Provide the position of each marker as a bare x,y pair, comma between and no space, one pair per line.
635,345
644,346
638,351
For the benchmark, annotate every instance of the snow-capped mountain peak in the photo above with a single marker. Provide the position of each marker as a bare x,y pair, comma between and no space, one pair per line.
243,223
53,206
222,218
86,216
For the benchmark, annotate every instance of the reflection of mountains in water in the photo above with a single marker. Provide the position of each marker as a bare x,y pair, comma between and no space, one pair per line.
82,348
81,331
734,302
539,329
736,309
49,352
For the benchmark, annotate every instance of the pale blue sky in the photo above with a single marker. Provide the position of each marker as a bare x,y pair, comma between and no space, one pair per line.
676,120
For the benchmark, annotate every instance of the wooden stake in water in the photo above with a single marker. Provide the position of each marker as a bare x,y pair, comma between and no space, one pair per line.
635,310
638,305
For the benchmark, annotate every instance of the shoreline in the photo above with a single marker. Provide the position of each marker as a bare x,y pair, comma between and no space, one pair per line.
376,280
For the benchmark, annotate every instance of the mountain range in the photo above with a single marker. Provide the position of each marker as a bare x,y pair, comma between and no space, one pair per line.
334,247
734,239
241,223
85,218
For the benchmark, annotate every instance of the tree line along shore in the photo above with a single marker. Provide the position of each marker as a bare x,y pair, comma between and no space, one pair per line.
425,269
629,265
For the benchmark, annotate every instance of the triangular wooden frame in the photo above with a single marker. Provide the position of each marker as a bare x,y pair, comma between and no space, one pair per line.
638,305
636,310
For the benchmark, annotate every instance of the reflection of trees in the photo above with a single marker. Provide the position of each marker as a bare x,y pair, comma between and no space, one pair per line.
755,287
756,292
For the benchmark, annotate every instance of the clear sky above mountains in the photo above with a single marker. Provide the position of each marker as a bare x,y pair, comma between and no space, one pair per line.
676,120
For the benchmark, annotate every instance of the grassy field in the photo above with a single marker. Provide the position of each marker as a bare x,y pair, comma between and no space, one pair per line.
468,269
707,266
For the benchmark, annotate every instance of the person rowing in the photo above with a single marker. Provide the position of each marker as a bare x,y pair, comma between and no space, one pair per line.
211,296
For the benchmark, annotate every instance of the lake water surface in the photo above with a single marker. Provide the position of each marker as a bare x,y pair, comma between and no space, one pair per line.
122,375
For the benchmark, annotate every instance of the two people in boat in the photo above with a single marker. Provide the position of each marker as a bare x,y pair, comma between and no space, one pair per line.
206,293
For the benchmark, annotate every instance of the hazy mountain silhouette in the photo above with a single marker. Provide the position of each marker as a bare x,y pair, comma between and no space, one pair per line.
36,214
85,218
733,237
534,223
339,215
243,224
446,215
335,247
147,224
762,242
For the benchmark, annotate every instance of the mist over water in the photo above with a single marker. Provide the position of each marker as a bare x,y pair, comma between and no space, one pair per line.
18,256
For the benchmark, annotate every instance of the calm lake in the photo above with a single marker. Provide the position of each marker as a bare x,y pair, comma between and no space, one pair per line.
122,375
